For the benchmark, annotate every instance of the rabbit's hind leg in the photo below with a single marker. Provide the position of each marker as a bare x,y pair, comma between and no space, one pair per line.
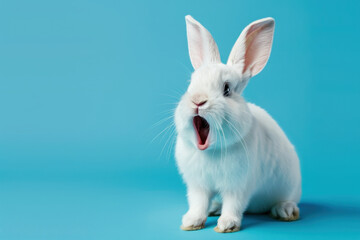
215,208
285,211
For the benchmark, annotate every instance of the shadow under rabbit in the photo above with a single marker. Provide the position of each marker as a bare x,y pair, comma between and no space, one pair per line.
311,213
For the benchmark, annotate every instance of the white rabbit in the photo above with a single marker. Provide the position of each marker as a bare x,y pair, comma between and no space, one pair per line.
232,155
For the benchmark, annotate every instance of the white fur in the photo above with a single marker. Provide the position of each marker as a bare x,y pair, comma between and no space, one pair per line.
250,164
202,47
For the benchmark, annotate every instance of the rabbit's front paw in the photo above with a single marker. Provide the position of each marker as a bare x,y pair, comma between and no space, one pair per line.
191,222
227,224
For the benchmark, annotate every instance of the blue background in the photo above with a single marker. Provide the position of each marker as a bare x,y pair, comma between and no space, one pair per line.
84,84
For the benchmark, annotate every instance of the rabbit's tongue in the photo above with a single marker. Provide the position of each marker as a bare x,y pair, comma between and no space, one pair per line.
202,128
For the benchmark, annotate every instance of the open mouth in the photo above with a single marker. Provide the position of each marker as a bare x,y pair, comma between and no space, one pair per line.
202,128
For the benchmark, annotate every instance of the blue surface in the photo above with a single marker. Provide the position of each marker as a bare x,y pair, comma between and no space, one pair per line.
84,83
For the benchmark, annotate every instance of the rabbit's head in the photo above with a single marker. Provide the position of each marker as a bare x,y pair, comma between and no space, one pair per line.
213,110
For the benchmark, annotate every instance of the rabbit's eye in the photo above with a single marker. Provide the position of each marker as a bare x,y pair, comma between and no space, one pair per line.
226,90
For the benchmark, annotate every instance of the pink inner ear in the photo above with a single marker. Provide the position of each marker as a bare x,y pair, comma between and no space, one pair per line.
195,49
202,47
257,47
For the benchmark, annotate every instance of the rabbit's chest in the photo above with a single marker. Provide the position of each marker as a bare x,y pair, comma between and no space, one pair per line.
216,172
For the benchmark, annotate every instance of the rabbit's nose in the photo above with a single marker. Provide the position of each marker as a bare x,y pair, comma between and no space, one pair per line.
200,103
199,99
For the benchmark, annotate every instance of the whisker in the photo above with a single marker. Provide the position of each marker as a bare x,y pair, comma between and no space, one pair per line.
223,134
242,141
172,144
162,121
220,139
165,129
167,141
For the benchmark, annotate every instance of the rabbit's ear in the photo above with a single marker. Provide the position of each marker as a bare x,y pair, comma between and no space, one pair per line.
252,49
202,47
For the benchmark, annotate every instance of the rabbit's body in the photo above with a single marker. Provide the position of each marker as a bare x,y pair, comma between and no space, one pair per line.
232,155
268,170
